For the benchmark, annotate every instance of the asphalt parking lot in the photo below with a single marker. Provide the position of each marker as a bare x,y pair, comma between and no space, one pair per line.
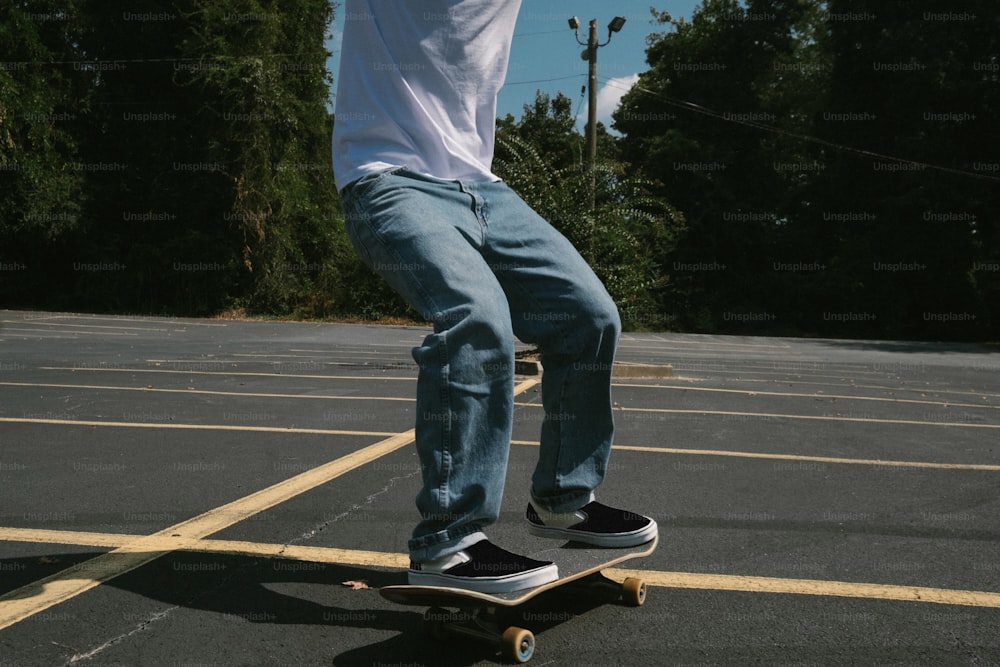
207,492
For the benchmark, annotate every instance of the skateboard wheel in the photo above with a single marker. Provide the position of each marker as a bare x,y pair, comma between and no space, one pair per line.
634,592
518,645
434,622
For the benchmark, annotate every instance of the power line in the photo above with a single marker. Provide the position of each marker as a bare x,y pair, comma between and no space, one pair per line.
681,104
705,111
558,78
543,32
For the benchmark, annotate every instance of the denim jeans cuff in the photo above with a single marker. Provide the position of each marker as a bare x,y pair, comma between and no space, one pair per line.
567,502
425,553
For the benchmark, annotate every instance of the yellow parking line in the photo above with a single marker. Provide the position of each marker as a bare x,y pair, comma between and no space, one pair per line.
168,543
817,459
194,427
155,546
138,551
793,457
56,332
242,394
74,537
45,593
224,373
81,326
768,415
832,397
119,318
850,589
672,344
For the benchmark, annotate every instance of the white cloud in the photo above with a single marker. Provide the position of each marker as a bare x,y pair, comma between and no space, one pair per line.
608,98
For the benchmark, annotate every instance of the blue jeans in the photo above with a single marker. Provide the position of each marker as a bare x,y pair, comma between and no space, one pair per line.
480,264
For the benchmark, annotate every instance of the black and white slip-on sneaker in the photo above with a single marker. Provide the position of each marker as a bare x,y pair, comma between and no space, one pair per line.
595,524
484,568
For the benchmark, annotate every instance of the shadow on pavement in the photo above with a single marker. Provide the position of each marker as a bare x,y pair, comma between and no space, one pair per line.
280,592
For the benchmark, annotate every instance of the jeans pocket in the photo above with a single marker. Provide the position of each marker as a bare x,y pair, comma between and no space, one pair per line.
363,186
356,226
357,217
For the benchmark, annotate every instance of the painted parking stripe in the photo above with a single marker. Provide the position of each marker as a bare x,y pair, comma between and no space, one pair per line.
794,457
771,415
833,418
818,395
687,580
220,373
193,427
714,345
850,589
40,595
43,594
169,543
817,459
241,394
83,326
55,333
74,537
39,317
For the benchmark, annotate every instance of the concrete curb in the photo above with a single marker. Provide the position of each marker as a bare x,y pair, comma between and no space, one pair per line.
642,371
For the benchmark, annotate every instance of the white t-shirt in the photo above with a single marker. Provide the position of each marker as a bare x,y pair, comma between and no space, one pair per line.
418,86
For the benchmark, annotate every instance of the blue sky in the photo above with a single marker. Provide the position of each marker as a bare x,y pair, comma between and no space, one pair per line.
545,55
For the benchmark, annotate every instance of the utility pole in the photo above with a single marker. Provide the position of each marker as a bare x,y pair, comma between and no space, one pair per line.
590,55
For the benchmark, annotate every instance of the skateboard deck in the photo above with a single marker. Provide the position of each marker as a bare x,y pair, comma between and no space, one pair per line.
477,612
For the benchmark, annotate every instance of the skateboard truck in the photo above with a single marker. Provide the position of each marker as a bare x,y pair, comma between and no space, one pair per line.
516,644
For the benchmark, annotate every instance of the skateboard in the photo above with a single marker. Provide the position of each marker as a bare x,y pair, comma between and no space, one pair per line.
477,613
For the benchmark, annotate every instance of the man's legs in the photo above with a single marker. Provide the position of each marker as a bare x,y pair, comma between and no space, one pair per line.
560,305
475,259
423,237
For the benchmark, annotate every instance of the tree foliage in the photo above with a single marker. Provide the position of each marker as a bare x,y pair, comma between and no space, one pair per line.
613,219
831,159
188,145
41,188
818,167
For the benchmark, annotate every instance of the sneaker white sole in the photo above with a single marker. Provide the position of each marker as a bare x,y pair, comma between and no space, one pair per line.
505,584
608,540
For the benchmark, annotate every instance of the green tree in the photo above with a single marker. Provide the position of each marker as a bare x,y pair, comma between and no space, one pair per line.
694,124
195,175
41,184
621,232
153,227
832,161
547,124
916,82
263,113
